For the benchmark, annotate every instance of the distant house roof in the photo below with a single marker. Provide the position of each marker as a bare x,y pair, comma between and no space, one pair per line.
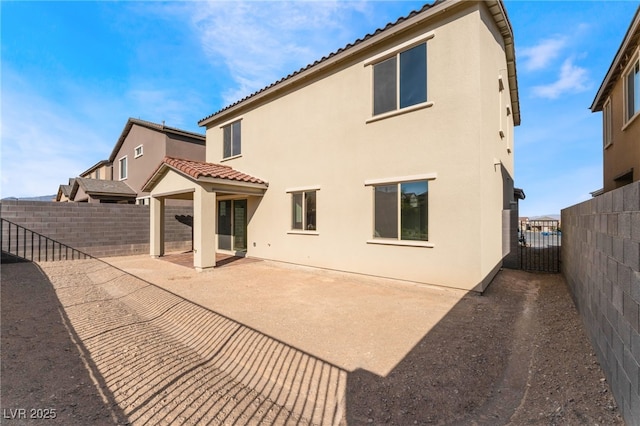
629,43
99,187
66,190
197,137
198,170
63,190
95,166
495,7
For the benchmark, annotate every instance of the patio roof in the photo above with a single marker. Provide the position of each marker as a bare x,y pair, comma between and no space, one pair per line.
202,172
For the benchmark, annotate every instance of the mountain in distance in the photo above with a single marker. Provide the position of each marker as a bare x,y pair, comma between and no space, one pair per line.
40,198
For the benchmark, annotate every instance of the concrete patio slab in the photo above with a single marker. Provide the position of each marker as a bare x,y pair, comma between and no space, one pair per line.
351,321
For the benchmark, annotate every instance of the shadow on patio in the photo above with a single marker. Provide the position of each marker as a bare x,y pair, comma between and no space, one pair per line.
45,364
162,359
167,360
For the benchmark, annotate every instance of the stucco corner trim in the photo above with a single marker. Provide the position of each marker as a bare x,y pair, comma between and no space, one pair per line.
405,243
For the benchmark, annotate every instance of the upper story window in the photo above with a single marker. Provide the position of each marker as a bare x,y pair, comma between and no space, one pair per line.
401,80
123,167
138,151
98,174
607,135
232,141
632,92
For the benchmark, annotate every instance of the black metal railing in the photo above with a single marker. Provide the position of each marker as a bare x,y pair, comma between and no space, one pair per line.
16,240
540,242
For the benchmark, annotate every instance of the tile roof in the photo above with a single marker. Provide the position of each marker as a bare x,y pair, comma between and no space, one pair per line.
199,169
329,56
497,11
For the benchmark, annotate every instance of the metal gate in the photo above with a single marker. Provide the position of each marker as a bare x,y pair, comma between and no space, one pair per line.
540,242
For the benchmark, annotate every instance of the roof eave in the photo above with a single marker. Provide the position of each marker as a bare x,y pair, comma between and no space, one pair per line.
95,166
231,182
437,8
611,76
500,17
155,177
151,126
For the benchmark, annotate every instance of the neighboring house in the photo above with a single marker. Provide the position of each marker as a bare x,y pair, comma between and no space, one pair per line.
86,190
142,145
101,170
137,152
64,192
619,101
391,157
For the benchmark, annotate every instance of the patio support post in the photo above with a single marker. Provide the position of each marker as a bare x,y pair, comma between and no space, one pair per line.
204,229
156,231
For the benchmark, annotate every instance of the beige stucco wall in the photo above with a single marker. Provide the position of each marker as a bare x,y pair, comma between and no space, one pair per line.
624,152
319,136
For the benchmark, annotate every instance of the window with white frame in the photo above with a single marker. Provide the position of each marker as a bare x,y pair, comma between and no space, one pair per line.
607,135
400,81
123,167
303,210
632,90
97,173
232,141
138,151
401,211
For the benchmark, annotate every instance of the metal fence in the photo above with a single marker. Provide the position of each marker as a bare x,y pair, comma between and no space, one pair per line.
18,241
540,242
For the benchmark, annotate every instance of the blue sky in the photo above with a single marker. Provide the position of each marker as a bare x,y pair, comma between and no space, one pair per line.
73,72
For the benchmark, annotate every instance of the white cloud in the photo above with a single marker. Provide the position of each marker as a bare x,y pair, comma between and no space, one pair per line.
260,42
43,143
572,79
158,105
541,55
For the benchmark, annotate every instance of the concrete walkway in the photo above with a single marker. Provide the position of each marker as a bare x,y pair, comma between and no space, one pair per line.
351,321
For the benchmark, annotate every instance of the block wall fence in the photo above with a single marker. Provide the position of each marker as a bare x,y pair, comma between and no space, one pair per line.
601,263
101,230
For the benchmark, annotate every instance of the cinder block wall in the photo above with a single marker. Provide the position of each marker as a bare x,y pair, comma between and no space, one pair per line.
601,262
101,229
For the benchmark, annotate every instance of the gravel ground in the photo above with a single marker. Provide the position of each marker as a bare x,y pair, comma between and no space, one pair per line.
88,344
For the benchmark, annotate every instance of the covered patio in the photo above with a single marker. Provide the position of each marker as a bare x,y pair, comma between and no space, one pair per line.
213,188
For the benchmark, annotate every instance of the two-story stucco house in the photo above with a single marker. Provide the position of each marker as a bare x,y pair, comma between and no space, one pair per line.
619,101
391,157
137,152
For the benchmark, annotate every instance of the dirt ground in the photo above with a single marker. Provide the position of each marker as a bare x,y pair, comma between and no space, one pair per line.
78,350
